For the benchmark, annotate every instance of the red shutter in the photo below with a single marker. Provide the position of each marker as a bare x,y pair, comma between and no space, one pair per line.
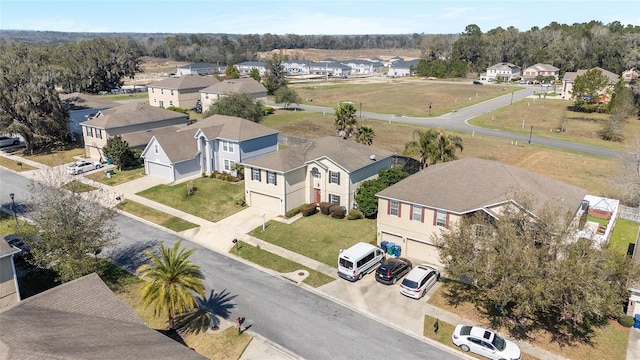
422,215
388,207
399,208
446,224
435,216
411,212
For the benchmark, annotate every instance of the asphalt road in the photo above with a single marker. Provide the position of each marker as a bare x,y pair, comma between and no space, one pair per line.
308,324
457,121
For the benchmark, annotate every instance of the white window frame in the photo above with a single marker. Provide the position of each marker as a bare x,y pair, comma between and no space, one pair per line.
416,214
334,177
228,165
394,207
227,146
441,218
156,148
271,177
255,174
334,199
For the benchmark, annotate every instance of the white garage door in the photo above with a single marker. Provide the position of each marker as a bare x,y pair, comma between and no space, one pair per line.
159,170
423,252
265,202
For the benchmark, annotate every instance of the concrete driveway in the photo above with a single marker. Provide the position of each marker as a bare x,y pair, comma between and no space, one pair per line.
383,302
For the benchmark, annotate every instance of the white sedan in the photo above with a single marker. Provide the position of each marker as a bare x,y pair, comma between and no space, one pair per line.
8,140
485,343
82,166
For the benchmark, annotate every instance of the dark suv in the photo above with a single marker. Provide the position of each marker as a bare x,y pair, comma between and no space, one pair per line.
393,269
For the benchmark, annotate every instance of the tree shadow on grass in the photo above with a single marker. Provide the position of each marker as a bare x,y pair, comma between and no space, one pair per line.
457,293
208,312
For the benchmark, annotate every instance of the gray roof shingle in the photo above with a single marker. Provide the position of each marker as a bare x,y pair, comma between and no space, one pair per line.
132,114
236,86
186,82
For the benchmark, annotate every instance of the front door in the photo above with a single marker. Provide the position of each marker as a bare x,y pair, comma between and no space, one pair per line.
316,196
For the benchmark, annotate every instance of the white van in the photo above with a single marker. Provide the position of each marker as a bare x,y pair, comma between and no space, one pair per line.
358,260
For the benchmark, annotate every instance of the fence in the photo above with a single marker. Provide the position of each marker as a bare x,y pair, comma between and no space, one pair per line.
629,213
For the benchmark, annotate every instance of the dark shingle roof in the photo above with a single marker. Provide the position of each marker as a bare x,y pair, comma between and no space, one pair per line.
346,153
81,319
79,101
236,86
466,185
132,114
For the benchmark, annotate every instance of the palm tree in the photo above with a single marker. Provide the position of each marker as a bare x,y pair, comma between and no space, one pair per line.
346,122
432,146
365,135
172,281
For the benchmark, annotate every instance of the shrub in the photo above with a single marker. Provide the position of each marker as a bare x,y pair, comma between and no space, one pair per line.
308,209
293,212
324,207
626,320
178,109
354,214
337,212
268,109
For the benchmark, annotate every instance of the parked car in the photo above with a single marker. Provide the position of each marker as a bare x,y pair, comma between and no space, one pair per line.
476,82
393,269
419,280
484,343
9,140
82,166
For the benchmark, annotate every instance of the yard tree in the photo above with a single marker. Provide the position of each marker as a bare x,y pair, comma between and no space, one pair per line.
470,48
232,72
621,108
239,105
275,76
29,103
433,145
365,135
589,87
255,74
345,122
119,152
171,281
534,271
70,228
366,193
286,95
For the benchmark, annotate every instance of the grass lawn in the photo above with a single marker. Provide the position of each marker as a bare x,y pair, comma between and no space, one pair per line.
8,224
14,165
597,220
624,233
608,343
319,237
155,216
213,200
400,97
545,115
594,172
78,187
56,156
278,263
118,177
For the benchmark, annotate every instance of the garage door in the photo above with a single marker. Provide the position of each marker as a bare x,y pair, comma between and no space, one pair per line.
159,170
422,251
265,202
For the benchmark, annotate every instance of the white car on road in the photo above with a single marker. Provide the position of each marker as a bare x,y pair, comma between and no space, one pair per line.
8,140
485,343
82,166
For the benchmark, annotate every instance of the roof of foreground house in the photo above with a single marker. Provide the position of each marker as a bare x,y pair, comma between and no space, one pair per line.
186,82
236,86
81,319
133,113
470,184
348,154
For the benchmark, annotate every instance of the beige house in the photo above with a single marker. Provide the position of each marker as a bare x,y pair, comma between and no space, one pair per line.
123,120
529,74
503,71
182,92
215,92
415,209
324,170
570,77
9,290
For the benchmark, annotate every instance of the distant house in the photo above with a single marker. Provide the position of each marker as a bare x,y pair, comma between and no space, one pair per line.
570,77
182,92
324,170
9,290
630,76
433,200
503,71
244,68
195,69
124,119
81,107
363,66
297,67
329,68
400,68
529,74
212,144
82,319
215,92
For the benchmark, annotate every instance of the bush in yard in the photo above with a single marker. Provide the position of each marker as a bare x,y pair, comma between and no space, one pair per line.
324,207
626,320
354,214
308,209
293,212
337,212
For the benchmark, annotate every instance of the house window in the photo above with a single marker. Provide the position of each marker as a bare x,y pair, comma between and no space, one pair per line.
271,177
162,91
416,213
206,96
316,174
334,177
227,146
99,133
394,208
228,165
441,218
153,91
156,148
334,199
255,174
171,92
170,102
89,131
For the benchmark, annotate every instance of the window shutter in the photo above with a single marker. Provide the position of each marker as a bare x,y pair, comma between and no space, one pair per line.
388,207
338,178
422,216
399,209
435,216
275,179
446,223
411,212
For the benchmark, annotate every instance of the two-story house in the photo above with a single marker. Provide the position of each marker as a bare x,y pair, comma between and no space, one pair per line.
215,92
9,290
414,210
245,67
503,71
182,92
196,69
82,107
570,77
122,120
530,74
399,68
328,169
212,144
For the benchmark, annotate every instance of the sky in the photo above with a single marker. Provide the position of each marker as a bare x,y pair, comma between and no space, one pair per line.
306,17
